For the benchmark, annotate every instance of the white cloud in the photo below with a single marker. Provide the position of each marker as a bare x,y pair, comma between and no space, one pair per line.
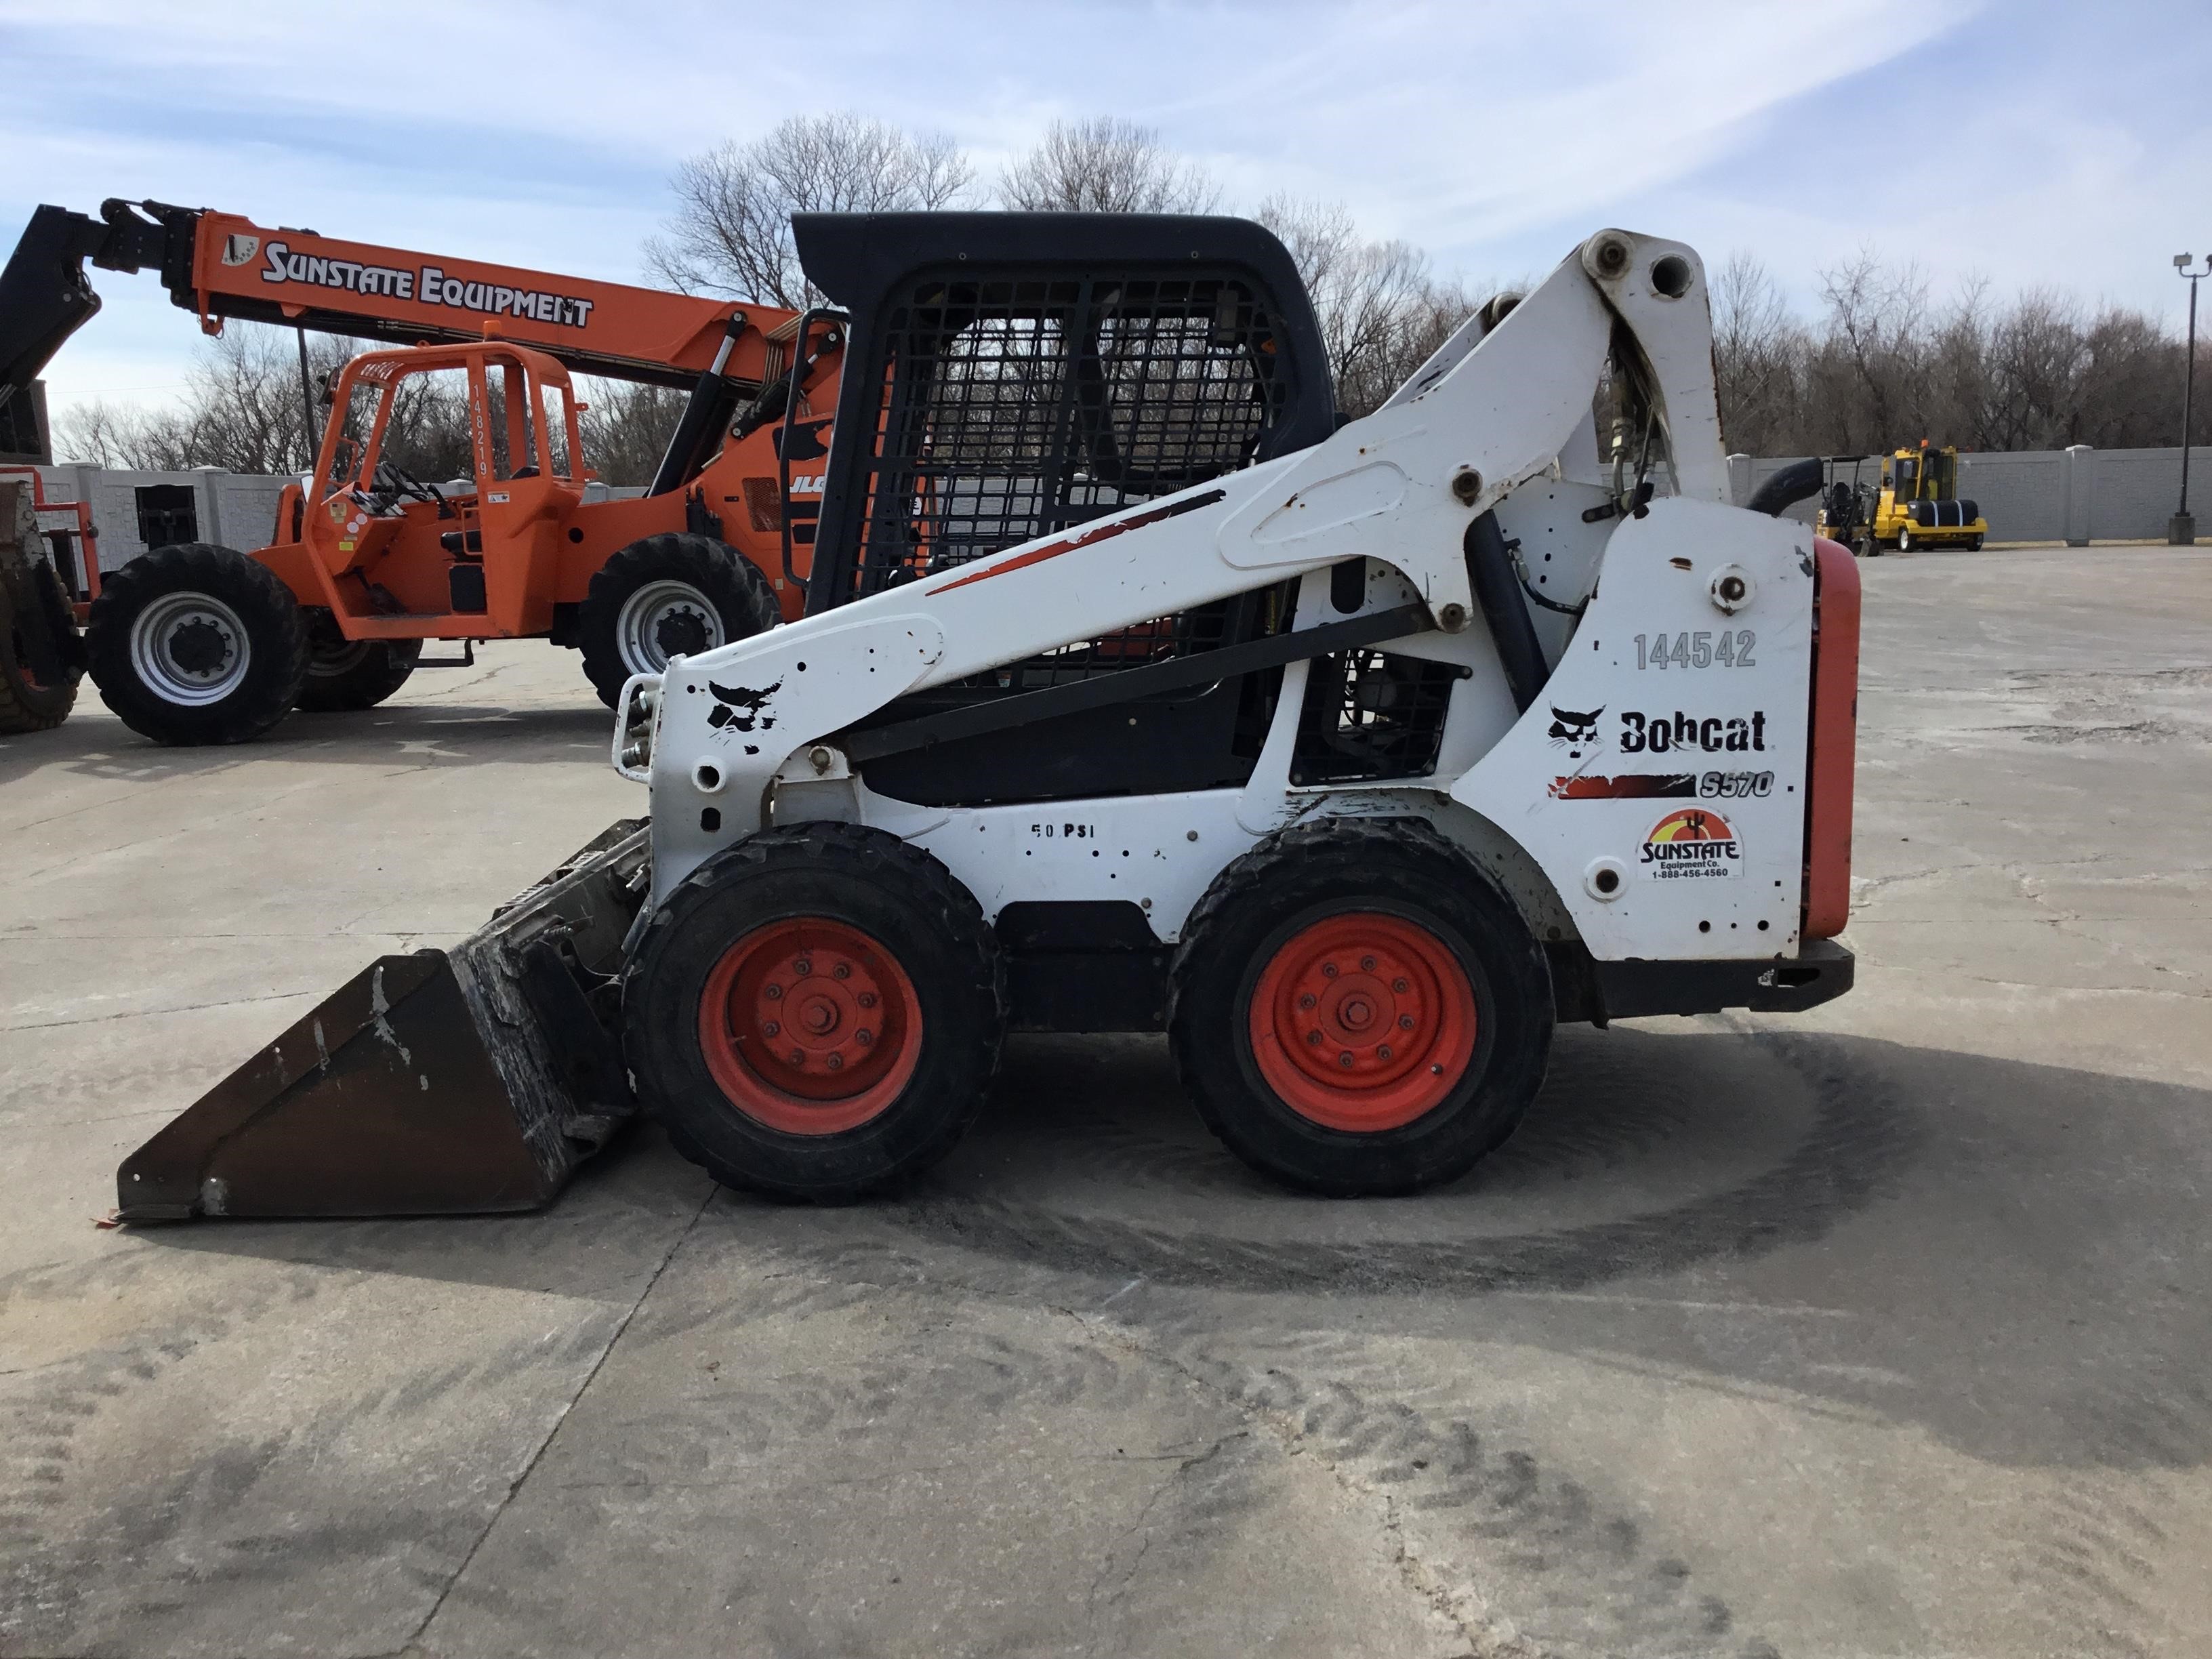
1493,135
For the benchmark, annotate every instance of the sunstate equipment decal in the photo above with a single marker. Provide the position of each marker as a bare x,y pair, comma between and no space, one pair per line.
1694,843
429,286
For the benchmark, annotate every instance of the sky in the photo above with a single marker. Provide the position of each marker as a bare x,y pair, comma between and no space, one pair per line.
2039,143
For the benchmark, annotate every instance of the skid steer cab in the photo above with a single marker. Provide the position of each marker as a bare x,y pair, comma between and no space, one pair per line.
1135,693
450,501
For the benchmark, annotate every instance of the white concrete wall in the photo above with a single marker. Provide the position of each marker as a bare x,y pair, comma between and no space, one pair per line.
235,509
2075,495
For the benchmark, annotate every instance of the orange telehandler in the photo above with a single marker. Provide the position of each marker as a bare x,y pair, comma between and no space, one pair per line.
199,644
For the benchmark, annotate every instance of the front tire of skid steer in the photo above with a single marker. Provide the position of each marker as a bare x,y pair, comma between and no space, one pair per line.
196,644
1358,1010
344,675
667,595
816,1013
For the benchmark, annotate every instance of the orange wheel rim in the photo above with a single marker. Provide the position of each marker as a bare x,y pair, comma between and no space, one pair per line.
810,1026
1363,1022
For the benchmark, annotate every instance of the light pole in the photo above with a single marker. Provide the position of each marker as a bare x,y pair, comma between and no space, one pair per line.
2181,530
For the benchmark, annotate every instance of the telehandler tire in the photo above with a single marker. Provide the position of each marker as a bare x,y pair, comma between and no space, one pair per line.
28,703
668,595
816,1012
1357,1009
196,644
344,674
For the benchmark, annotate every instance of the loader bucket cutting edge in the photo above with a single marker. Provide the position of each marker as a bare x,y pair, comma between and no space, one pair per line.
443,1083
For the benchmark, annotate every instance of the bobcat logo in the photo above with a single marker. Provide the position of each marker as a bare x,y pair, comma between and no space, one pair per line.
1575,732
738,708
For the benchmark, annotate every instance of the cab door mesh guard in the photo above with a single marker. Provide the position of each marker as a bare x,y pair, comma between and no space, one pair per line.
1008,410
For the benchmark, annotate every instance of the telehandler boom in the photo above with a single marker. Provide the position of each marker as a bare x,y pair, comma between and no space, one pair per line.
1135,693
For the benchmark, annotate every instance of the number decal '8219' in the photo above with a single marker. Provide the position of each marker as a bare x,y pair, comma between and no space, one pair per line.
1699,650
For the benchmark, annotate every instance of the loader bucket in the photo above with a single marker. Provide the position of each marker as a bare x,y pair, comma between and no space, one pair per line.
443,1083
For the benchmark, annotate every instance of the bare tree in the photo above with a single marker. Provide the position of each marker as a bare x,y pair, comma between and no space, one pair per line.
1865,367
1380,311
1105,165
731,233
1758,357
626,428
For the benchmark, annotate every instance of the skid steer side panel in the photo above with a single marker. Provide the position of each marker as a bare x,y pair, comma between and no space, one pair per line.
437,1084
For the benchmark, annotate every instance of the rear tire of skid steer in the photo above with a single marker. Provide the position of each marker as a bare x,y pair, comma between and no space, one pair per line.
816,1012
665,595
1358,1010
344,675
26,704
196,644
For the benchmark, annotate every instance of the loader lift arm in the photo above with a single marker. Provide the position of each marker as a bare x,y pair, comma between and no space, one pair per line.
222,265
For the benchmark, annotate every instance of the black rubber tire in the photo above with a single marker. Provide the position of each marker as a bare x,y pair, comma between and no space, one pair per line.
276,637
1299,876
910,905
344,675
730,583
1974,544
26,705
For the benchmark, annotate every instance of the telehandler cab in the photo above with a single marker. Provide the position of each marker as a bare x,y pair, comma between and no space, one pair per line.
1135,694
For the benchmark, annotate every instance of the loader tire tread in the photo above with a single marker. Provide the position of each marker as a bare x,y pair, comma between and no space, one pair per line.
25,705
969,983
276,633
1402,864
730,583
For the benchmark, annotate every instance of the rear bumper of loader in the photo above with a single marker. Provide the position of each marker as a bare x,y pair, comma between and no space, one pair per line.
443,1083
1820,972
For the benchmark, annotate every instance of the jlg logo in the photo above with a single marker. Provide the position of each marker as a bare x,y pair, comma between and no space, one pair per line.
1716,734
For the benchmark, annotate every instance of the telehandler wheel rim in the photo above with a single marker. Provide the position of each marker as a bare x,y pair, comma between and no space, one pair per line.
327,661
810,1026
190,650
665,619
1363,1022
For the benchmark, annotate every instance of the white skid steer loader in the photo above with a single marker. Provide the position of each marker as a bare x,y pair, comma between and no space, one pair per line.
1136,693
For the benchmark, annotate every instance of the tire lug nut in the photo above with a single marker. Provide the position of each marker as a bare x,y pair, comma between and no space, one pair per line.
1307,1001
773,993
844,970
1328,970
772,1028
799,1057
1405,1022
1314,1037
1399,986
1345,1059
836,1062
864,1038
804,966
1367,964
867,999
1383,1052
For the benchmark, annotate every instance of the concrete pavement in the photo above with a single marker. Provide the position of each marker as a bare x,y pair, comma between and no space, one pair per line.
1877,1331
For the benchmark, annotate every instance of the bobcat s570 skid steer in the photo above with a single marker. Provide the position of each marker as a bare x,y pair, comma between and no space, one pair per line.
1134,693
